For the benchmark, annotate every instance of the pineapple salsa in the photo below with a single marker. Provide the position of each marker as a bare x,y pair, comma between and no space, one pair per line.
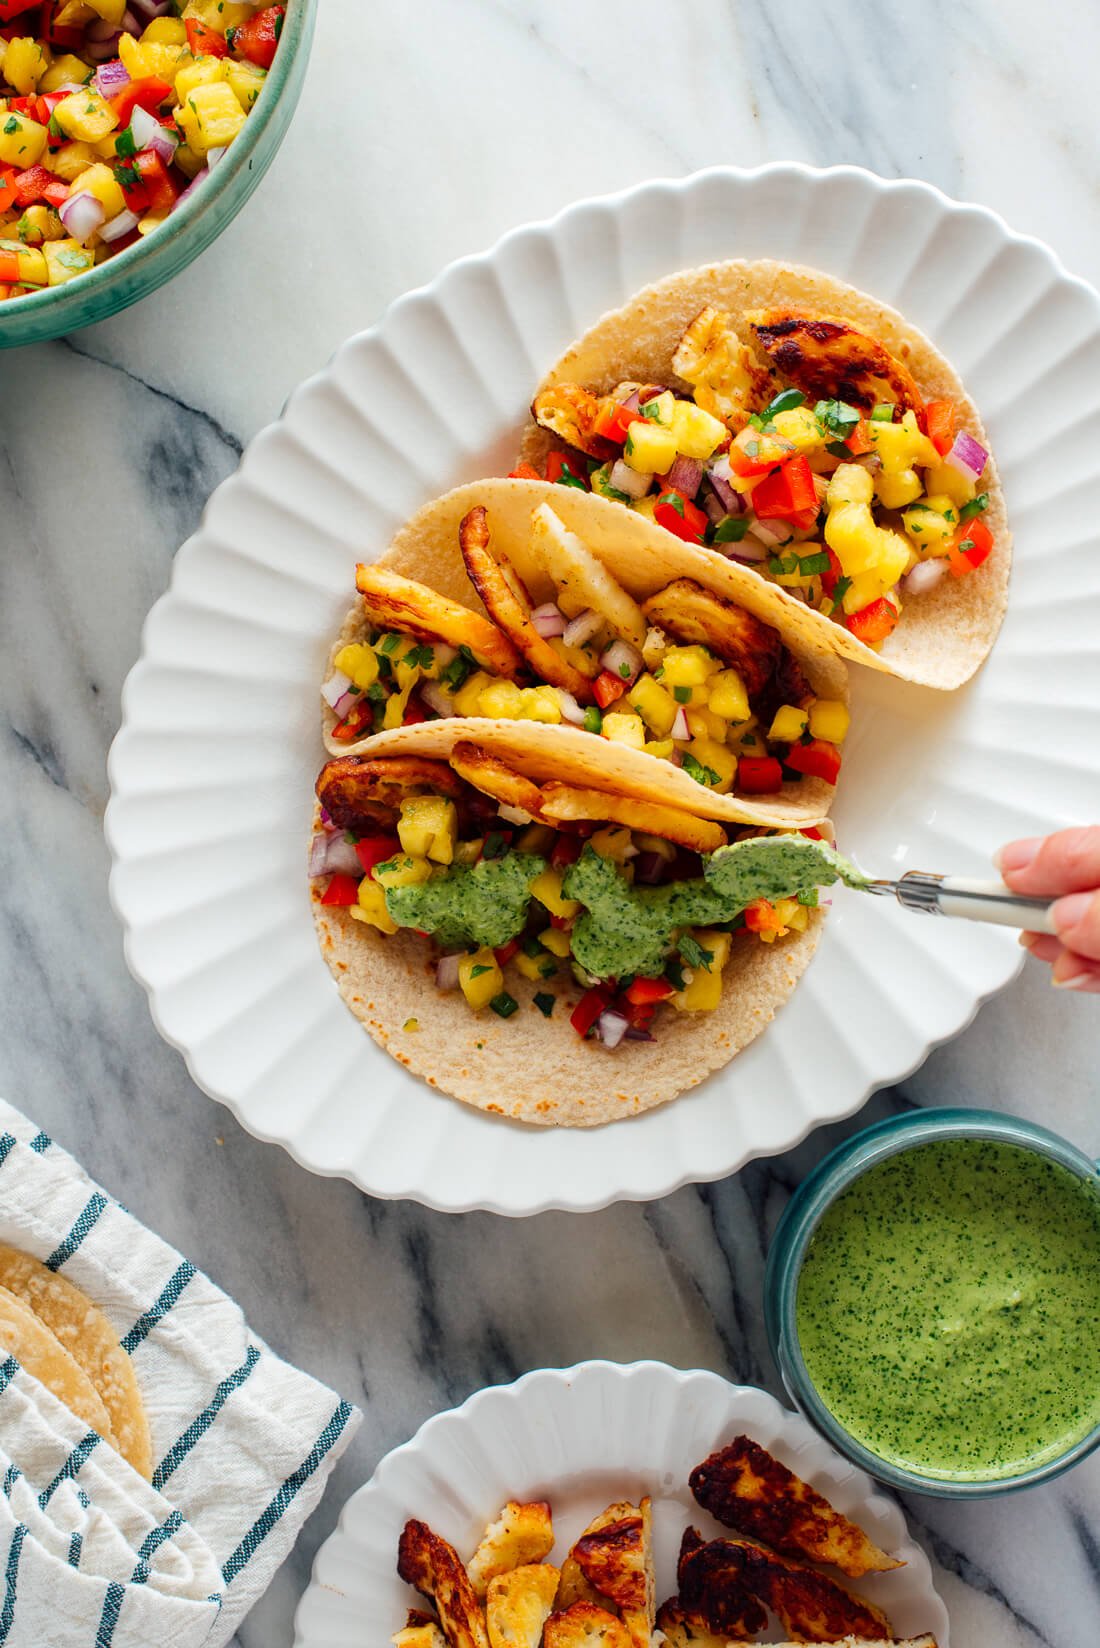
845,505
110,114
630,904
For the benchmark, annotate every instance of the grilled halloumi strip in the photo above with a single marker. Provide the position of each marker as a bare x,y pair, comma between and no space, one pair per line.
829,360
810,1606
519,1603
688,612
436,1570
393,602
521,1533
585,1625
618,1560
746,1489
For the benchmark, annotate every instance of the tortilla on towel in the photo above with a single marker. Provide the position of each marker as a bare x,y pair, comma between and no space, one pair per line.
643,559
41,1354
944,634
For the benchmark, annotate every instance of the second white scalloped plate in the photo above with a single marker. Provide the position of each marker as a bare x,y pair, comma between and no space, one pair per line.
581,1438
212,771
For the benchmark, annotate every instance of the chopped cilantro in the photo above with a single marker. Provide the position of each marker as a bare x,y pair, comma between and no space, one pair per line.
674,500
967,543
731,530
496,845
504,1005
843,585
974,507
682,695
651,411
476,972
531,946
694,953
701,774
624,671
421,655
11,126
786,401
780,565
810,565
544,1003
390,644
674,973
125,145
569,478
836,416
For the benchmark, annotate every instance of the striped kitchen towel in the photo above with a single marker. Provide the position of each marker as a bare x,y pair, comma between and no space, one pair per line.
91,1555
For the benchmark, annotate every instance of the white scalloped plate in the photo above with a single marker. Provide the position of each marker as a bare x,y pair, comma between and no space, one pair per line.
581,1438
212,771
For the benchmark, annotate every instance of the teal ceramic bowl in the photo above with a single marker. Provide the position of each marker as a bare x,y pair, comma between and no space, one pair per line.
149,263
792,1238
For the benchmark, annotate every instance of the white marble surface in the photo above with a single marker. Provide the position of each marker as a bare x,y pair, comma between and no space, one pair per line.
426,131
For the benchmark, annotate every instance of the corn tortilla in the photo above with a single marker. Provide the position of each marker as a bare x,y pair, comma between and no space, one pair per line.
41,1354
643,558
944,634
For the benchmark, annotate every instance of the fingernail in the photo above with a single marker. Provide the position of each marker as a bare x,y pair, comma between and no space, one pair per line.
1077,982
1029,940
1017,855
1067,912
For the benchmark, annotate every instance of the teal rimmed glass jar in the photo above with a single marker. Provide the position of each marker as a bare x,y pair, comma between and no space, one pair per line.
149,263
801,1218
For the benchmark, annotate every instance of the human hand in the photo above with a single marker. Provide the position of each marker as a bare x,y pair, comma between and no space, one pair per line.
1064,866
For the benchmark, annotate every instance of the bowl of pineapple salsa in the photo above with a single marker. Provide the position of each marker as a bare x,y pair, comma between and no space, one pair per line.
131,133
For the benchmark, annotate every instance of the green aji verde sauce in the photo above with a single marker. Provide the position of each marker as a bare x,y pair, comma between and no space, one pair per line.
948,1309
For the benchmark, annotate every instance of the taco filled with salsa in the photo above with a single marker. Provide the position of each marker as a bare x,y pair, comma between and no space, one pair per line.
547,950
677,675
778,417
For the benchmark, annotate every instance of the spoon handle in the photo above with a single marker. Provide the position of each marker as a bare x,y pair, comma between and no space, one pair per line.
960,896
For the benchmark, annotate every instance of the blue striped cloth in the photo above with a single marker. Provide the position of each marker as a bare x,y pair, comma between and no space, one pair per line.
92,1555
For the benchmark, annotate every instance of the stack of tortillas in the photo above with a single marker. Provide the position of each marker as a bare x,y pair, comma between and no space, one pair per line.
65,1342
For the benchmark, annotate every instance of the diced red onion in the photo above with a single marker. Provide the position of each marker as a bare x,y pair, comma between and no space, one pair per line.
714,509
750,549
199,177
446,971
582,628
102,51
611,1027
680,728
772,532
333,854
870,461
130,23
435,698
628,480
570,709
101,30
649,869
924,576
632,401
623,661
685,476
151,8
967,456
634,1034
214,155
82,214
549,620
343,704
148,133
124,224
720,476
335,687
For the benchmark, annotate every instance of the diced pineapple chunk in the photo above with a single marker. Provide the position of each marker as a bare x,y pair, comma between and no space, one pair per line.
622,728
25,62
687,667
801,428
931,524
359,664
394,713
402,871
704,723
427,827
613,843
851,532
22,141
247,81
480,978
895,491
85,115
540,704
72,159
165,31
40,223
556,940
546,887
66,70
468,697
788,725
111,11
650,449
719,759
829,719
704,992
945,479
150,58
661,748
221,15
65,259
850,484
502,699
902,445
697,432
33,268
211,117
727,696
656,707
99,180
536,967
200,71
372,906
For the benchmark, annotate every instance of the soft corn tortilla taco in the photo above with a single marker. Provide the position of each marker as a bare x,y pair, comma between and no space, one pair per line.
945,632
533,1063
529,525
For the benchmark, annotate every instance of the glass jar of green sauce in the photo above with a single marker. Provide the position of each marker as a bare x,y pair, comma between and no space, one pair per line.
933,1301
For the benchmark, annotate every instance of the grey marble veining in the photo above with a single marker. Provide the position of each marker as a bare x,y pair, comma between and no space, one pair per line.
453,120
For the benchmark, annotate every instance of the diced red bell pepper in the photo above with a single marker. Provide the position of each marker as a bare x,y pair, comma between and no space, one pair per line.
859,441
415,712
56,194
638,1015
153,175
506,952
147,94
359,719
562,466
9,266
259,37
830,579
759,775
752,453
32,184
762,917
7,190
375,849
607,688
642,991
940,422
22,105
812,832
680,516
612,422
44,105
68,35
203,40
13,8
589,1008
971,545
524,472
817,759
566,850
873,622
789,492
343,890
